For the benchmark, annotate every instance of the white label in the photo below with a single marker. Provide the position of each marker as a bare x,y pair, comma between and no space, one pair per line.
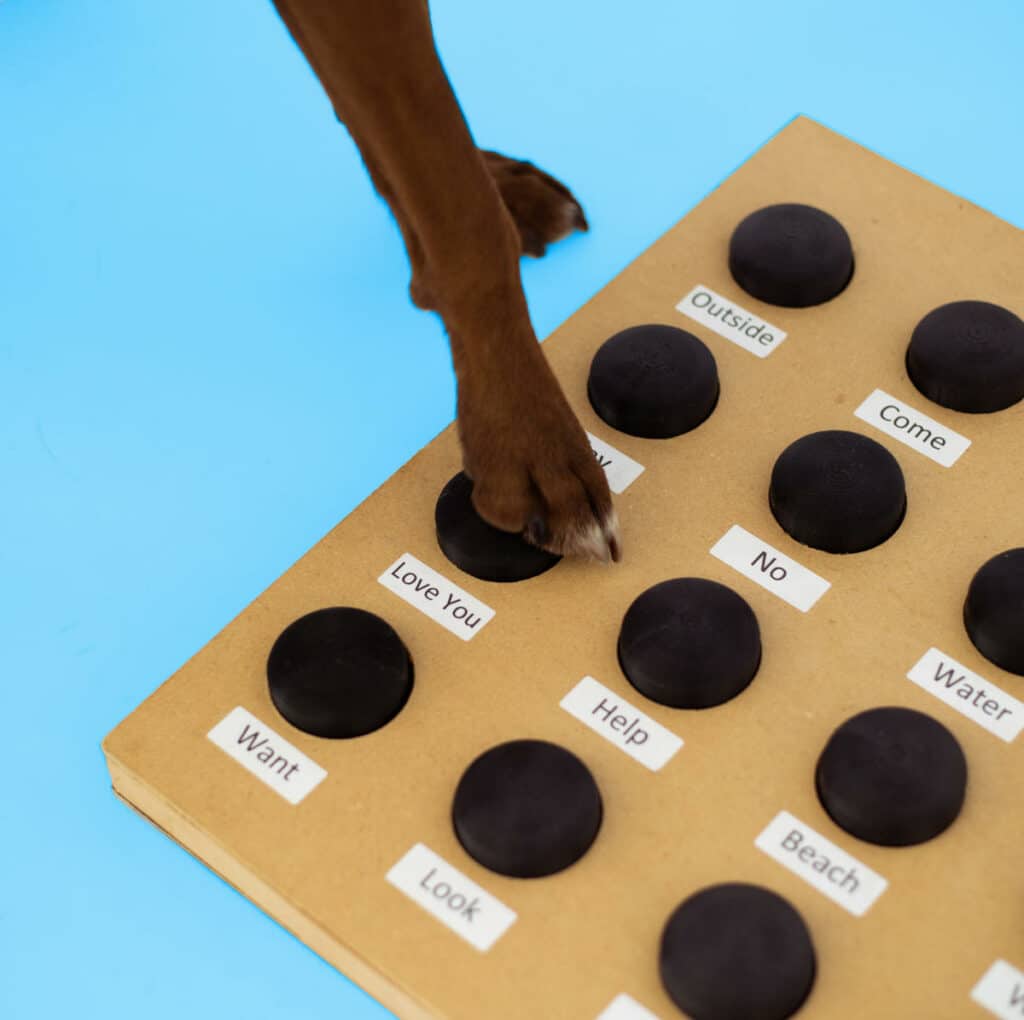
453,899
436,596
621,724
820,863
769,568
621,471
728,319
912,428
972,695
1001,991
285,769
622,1007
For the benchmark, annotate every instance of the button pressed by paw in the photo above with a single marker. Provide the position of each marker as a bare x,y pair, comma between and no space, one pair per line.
737,951
653,381
968,356
791,255
838,491
339,672
478,548
892,776
527,808
689,643
994,610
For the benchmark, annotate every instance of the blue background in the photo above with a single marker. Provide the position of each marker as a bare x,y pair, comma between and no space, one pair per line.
207,358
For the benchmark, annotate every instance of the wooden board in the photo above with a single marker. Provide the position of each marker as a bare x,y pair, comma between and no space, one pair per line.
590,933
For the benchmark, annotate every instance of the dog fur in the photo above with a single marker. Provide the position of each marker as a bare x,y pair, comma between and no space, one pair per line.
466,216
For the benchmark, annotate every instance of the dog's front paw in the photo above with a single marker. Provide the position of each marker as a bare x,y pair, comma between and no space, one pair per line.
534,472
543,208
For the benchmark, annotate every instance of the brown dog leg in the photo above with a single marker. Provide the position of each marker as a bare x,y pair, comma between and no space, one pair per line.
532,467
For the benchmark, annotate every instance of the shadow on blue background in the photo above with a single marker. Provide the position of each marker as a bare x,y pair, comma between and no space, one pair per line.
207,358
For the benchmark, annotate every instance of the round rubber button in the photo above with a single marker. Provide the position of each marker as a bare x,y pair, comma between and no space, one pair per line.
736,952
994,610
892,776
968,356
791,255
478,548
653,381
689,643
339,672
527,809
838,491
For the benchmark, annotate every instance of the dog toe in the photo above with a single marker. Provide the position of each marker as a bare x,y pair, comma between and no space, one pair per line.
579,515
543,208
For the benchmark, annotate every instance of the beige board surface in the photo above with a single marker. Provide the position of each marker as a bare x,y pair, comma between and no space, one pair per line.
581,937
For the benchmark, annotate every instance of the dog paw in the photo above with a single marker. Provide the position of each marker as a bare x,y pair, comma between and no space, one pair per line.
534,473
543,208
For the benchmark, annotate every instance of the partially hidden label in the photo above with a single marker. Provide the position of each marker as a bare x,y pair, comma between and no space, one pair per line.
971,695
270,758
620,470
445,603
623,1007
728,319
1001,991
769,568
621,724
456,901
820,863
912,428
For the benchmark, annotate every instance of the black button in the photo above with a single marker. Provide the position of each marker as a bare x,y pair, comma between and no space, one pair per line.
994,610
791,255
737,952
339,672
477,548
892,776
968,356
653,381
527,809
838,491
689,643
